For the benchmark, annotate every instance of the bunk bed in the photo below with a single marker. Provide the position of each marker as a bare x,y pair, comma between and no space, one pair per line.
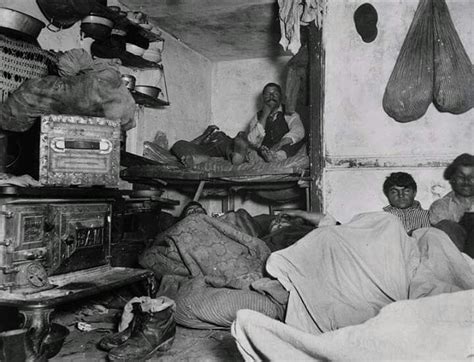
279,181
305,171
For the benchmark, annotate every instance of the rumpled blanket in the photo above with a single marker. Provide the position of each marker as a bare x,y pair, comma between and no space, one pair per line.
207,266
339,276
433,328
87,88
200,245
297,163
343,275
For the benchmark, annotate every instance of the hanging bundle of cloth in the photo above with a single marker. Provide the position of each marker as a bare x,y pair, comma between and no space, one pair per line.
432,66
293,14
83,86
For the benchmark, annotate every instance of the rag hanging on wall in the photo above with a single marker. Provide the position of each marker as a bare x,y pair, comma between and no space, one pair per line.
432,67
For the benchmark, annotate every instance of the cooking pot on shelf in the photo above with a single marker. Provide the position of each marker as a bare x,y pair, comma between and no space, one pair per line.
129,81
96,27
20,22
134,49
65,13
148,90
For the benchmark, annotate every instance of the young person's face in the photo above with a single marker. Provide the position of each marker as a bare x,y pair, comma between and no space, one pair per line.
462,181
401,196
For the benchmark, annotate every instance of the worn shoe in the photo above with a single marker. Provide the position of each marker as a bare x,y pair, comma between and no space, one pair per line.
116,339
155,331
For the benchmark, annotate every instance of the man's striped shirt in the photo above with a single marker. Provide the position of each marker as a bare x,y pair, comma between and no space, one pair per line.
412,218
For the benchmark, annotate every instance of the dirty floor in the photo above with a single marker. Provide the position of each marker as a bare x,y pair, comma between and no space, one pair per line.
189,345
101,316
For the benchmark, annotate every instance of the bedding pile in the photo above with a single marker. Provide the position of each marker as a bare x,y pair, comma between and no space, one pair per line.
207,266
300,161
341,276
433,328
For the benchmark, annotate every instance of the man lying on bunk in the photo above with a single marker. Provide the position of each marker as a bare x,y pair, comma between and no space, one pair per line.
273,133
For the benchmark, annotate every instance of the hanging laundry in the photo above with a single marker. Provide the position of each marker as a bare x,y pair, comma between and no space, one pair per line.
295,13
409,91
290,13
453,73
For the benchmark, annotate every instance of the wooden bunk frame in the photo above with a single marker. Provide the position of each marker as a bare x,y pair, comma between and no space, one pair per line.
228,182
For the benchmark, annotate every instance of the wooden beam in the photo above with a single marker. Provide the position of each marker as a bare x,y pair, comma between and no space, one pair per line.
316,102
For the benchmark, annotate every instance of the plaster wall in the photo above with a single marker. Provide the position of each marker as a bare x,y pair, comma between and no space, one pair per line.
188,83
188,80
236,89
362,144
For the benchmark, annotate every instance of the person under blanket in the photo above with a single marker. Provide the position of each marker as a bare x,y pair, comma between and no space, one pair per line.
454,212
400,190
274,133
342,275
240,219
277,231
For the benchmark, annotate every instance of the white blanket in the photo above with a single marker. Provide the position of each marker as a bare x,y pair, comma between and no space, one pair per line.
432,328
343,275
339,276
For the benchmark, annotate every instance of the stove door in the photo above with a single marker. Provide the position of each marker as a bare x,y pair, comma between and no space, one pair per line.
79,237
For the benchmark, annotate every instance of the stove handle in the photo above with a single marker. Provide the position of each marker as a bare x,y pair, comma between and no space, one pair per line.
61,144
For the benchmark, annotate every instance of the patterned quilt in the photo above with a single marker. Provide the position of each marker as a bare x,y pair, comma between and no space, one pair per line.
207,265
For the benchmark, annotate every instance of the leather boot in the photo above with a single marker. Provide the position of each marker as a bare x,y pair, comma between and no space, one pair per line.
15,346
116,339
155,331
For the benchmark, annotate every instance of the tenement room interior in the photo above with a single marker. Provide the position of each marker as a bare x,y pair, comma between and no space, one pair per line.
246,180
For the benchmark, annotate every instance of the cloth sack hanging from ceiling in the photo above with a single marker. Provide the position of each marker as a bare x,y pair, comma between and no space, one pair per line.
85,87
409,91
453,73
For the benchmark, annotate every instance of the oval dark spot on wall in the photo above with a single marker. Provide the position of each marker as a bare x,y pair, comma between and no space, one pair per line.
365,19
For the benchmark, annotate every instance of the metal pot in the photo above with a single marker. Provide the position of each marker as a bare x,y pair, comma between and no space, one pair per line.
96,27
18,21
65,13
129,81
54,340
148,90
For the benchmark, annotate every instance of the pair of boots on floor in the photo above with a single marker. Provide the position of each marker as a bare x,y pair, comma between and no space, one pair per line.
147,326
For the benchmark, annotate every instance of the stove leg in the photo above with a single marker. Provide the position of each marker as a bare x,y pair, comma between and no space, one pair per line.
36,320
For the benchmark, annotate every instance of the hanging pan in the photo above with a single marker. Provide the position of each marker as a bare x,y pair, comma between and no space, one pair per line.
20,23
64,13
